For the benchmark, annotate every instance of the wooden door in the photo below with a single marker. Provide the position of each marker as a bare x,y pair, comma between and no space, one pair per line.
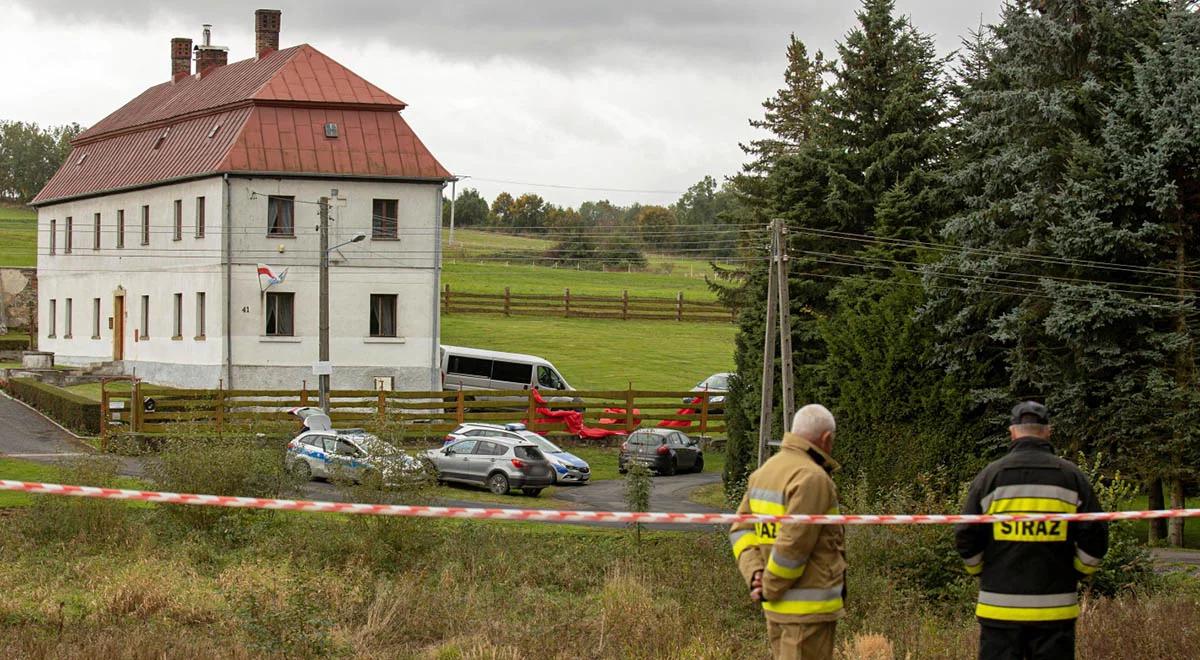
118,328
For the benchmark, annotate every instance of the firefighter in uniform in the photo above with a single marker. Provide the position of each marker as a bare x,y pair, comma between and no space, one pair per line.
797,572
1028,571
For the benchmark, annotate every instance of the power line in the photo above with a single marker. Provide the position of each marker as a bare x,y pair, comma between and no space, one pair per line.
584,188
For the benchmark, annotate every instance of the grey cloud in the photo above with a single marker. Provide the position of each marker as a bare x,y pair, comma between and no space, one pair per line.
551,33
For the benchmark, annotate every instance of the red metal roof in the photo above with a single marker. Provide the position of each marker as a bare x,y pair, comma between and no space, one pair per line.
270,115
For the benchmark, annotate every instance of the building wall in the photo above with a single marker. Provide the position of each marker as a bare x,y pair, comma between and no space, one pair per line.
405,267
18,298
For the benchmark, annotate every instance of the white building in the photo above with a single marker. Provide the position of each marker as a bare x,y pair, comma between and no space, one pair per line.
150,234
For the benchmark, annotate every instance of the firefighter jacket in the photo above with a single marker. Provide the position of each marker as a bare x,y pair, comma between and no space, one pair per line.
803,566
1029,570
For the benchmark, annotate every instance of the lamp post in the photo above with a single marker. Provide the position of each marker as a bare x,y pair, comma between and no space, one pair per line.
323,339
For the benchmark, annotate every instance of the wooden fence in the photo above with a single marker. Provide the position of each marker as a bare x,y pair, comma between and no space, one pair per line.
569,305
422,414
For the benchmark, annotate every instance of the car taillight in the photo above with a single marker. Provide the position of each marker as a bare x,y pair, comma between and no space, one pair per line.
518,463
663,450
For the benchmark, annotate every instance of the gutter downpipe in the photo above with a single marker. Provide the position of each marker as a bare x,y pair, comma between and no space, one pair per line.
227,349
435,349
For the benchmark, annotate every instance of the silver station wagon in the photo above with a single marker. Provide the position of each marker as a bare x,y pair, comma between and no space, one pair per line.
499,464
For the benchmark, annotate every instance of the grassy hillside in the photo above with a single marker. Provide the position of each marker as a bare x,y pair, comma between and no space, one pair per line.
18,237
603,354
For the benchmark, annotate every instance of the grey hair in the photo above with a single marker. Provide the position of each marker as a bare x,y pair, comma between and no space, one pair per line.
812,421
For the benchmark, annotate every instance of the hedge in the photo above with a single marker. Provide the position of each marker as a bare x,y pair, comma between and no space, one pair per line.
14,344
78,413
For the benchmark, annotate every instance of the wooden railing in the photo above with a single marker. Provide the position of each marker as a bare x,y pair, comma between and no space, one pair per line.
145,409
573,305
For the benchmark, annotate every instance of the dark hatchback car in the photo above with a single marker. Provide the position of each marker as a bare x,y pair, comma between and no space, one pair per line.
666,451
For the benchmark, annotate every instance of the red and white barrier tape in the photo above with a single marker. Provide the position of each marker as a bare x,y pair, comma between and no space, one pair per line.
550,515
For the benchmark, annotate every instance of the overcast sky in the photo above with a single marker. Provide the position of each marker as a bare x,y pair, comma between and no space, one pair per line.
647,96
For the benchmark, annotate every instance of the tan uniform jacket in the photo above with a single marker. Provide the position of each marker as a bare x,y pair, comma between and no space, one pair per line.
804,566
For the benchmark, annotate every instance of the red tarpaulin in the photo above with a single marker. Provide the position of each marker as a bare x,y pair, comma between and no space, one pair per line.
571,419
680,423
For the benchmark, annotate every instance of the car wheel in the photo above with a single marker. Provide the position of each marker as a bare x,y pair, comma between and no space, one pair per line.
671,468
532,492
498,483
302,470
699,467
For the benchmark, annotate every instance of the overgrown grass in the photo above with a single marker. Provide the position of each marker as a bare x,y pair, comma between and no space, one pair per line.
18,237
22,470
604,354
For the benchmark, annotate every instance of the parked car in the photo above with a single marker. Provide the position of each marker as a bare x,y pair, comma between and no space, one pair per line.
499,464
479,369
349,454
568,468
717,385
666,451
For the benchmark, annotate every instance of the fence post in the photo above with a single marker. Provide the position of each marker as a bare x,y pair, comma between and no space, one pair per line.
104,415
446,300
220,405
625,305
532,411
507,302
679,306
629,409
567,303
458,409
136,404
381,405
704,412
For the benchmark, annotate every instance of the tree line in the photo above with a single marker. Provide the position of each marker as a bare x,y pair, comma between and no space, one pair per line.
29,156
1014,221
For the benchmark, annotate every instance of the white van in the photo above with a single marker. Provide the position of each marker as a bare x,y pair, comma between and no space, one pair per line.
478,369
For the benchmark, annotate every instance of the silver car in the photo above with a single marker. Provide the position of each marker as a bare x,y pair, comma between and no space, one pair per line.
567,467
499,464
349,454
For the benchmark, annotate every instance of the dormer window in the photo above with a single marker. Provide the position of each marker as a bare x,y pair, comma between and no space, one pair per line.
331,130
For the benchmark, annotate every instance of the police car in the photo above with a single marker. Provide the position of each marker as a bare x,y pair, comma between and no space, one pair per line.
323,452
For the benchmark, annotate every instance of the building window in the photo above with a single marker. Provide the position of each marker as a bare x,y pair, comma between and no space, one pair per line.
67,320
52,321
120,228
383,218
145,329
200,315
178,220
95,318
383,315
199,217
96,231
67,238
146,225
53,238
280,216
177,311
279,314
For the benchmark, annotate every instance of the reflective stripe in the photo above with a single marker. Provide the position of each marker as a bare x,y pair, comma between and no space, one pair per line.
740,540
1085,557
1031,490
807,601
1030,505
974,564
767,502
1027,600
1084,568
789,569
974,570
1027,613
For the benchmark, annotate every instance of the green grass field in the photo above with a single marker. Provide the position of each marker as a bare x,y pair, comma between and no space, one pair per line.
18,237
604,354
492,277
12,468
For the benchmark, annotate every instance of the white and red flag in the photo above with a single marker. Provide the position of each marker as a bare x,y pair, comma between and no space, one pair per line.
269,277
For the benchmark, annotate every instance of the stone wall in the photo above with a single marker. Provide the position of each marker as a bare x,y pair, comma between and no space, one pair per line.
18,299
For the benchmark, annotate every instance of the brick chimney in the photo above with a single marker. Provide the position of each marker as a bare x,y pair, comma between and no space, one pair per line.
208,56
181,58
266,31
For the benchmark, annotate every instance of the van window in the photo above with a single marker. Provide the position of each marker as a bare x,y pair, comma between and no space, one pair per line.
469,366
512,372
550,380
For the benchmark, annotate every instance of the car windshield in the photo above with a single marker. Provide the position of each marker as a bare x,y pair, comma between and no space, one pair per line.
542,443
715,382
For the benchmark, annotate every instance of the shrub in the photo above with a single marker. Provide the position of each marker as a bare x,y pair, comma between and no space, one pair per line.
78,413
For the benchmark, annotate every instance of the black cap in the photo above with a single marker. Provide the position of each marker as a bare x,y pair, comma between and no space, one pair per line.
1030,412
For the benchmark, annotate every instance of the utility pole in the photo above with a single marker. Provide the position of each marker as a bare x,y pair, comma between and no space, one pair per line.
323,357
453,198
778,321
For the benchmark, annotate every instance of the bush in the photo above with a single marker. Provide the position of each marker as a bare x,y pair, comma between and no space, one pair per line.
78,413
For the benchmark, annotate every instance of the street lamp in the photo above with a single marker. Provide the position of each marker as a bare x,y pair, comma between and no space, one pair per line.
323,339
